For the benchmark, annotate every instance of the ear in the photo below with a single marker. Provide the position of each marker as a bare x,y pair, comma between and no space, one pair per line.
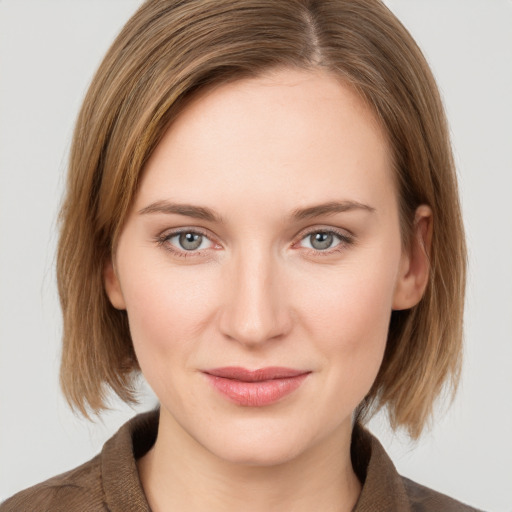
112,285
414,269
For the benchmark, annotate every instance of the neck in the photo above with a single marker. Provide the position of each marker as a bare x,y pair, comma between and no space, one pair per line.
180,474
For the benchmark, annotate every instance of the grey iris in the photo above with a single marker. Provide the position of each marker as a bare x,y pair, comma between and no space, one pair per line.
321,240
190,241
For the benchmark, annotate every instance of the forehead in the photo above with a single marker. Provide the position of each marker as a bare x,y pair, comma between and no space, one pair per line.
288,136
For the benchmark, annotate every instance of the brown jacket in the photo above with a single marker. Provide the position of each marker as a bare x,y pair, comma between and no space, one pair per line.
110,483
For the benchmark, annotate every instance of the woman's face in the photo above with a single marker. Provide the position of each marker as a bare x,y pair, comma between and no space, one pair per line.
264,236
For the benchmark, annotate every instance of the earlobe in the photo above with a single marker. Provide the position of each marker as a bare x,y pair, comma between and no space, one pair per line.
414,269
112,285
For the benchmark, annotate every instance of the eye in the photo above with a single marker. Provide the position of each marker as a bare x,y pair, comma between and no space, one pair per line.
188,241
323,240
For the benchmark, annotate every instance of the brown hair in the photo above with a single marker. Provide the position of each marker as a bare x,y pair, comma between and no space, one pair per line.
172,49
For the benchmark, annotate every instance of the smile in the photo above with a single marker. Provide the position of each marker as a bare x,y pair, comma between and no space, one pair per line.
255,388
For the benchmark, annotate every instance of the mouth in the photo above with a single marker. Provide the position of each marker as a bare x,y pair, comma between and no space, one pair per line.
255,388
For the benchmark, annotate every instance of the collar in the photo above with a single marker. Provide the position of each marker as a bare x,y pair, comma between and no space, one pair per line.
381,483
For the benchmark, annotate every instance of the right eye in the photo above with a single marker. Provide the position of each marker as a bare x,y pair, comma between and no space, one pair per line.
186,241
190,241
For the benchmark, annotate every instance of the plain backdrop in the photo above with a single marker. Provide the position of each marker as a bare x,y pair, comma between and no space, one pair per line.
49,50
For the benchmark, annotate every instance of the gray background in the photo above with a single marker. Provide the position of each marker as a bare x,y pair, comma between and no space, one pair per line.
49,50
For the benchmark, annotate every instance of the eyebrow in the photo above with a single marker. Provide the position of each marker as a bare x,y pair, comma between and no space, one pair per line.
204,213
188,210
330,208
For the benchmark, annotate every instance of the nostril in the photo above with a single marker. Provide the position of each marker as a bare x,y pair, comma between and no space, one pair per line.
255,326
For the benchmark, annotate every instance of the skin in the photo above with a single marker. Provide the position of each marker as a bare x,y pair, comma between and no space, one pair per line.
257,293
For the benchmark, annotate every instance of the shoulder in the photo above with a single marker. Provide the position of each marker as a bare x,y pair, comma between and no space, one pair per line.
423,499
108,481
76,490
383,484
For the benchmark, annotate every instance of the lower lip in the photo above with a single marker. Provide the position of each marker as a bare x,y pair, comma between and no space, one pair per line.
256,394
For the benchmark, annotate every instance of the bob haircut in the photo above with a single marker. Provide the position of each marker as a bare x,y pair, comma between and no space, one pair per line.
166,54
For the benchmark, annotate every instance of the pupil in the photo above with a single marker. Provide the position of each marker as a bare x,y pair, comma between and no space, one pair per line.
321,241
190,241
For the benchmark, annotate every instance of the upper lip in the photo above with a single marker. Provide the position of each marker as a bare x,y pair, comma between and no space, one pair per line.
258,375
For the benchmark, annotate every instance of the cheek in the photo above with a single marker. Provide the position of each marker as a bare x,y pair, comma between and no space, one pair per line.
348,313
167,309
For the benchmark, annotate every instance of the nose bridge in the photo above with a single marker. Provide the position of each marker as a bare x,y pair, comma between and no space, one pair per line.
256,309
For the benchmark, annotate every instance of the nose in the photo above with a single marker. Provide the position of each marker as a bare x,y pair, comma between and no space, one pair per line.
255,310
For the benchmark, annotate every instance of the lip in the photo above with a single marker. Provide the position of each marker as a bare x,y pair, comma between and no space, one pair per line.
255,388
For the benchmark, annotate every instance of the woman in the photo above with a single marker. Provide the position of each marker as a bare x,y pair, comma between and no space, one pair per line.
262,217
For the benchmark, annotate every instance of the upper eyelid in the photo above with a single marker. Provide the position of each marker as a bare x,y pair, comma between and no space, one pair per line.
302,232
343,239
163,239
342,233
169,233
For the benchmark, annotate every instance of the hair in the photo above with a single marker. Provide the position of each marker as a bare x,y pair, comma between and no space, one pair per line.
167,53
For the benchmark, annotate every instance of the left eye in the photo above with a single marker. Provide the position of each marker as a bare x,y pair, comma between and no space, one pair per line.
189,241
322,240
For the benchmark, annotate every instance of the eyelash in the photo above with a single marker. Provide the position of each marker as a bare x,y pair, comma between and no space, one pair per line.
163,239
344,241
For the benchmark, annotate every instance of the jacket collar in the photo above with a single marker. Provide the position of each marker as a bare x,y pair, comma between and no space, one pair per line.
382,486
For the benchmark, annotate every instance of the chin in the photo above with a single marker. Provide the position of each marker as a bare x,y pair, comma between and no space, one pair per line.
259,441
260,452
